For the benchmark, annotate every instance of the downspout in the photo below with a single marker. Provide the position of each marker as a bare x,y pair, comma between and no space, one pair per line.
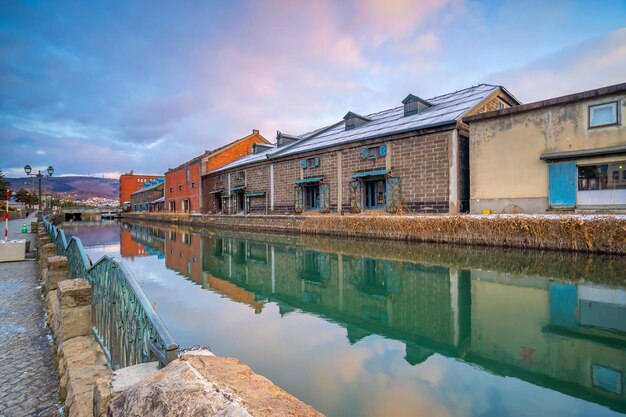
453,183
272,187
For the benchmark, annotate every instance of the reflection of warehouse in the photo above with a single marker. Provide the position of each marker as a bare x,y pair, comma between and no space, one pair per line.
400,300
569,338
140,240
572,337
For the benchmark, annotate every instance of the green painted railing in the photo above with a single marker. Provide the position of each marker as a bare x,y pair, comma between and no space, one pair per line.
124,323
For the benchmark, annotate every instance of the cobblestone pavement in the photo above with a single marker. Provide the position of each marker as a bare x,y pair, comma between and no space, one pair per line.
29,385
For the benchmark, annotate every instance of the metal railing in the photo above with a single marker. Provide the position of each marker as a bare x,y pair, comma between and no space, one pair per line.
123,320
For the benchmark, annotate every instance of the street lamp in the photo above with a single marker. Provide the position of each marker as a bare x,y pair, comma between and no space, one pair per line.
28,169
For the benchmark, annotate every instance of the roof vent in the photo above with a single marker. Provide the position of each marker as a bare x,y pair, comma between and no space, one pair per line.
414,104
257,148
354,120
283,139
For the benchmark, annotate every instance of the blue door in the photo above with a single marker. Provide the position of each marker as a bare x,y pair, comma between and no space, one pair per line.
562,177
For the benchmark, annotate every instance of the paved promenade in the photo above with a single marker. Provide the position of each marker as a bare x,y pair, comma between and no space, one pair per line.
29,385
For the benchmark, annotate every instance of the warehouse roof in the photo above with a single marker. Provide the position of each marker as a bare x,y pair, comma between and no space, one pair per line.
446,109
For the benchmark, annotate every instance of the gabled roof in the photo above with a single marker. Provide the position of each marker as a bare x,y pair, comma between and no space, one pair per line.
152,187
358,116
411,98
447,109
244,160
218,150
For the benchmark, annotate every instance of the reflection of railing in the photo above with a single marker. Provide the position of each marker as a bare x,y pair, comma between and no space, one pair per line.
124,322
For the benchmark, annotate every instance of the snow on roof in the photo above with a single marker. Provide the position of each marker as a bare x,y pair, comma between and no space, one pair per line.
446,109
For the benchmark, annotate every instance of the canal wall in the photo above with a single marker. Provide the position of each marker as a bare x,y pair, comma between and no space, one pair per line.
578,233
197,383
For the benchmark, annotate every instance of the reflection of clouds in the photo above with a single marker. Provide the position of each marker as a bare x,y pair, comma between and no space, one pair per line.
313,359
402,401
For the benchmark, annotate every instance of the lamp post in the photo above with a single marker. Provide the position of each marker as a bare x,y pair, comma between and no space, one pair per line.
39,176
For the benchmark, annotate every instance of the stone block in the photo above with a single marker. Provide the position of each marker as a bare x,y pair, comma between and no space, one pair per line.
12,250
77,354
199,383
102,395
51,308
72,322
45,251
56,267
73,292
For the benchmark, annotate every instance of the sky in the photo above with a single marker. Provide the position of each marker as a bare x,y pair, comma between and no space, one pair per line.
106,87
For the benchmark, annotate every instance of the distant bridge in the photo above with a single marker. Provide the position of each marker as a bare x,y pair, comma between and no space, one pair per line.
87,214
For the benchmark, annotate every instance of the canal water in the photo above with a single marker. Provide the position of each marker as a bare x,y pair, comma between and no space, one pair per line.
375,328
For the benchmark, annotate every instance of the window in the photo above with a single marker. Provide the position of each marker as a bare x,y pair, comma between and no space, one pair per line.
606,378
375,194
312,162
171,189
180,188
603,114
312,197
187,175
374,152
193,185
500,105
239,175
597,178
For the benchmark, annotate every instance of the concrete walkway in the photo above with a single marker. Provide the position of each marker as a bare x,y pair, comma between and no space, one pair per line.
29,383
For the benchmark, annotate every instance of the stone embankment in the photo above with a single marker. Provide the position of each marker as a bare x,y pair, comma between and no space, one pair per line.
196,384
581,233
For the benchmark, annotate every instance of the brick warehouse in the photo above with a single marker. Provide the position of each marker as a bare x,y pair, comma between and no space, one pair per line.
412,158
183,184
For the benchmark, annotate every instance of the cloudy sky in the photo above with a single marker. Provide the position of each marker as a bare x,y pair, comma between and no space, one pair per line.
103,87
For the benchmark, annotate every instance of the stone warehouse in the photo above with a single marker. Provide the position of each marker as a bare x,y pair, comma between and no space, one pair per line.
183,191
411,158
150,197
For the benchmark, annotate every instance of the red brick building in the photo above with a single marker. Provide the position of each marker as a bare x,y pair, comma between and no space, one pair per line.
183,187
130,182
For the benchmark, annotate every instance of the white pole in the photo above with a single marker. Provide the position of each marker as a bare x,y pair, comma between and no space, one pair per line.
6,219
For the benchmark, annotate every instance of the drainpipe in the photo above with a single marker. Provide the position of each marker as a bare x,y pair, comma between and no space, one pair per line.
272,187
453,163
229,195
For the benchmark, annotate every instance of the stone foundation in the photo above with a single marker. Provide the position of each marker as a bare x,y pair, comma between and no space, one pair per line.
579,233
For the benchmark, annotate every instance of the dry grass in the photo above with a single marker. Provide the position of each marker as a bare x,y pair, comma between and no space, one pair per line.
601,234
596,234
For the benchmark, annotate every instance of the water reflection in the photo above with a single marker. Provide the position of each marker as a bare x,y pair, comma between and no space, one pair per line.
464,318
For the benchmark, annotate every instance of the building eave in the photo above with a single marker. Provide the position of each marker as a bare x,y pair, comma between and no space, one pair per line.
557,101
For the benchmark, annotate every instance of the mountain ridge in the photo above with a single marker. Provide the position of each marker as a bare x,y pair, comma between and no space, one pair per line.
75,187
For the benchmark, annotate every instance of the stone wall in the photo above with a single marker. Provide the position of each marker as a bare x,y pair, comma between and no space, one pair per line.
81,361
421,161
143,197
598,234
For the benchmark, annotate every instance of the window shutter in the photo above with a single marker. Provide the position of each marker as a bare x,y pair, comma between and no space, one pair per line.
317,161
324,198
382,150
392,195
356,200
299,199
303,163
364,152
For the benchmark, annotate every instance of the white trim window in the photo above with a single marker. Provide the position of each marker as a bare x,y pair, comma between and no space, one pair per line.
603,114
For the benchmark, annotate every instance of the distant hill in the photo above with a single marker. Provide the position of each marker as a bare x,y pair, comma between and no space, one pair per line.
75,187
